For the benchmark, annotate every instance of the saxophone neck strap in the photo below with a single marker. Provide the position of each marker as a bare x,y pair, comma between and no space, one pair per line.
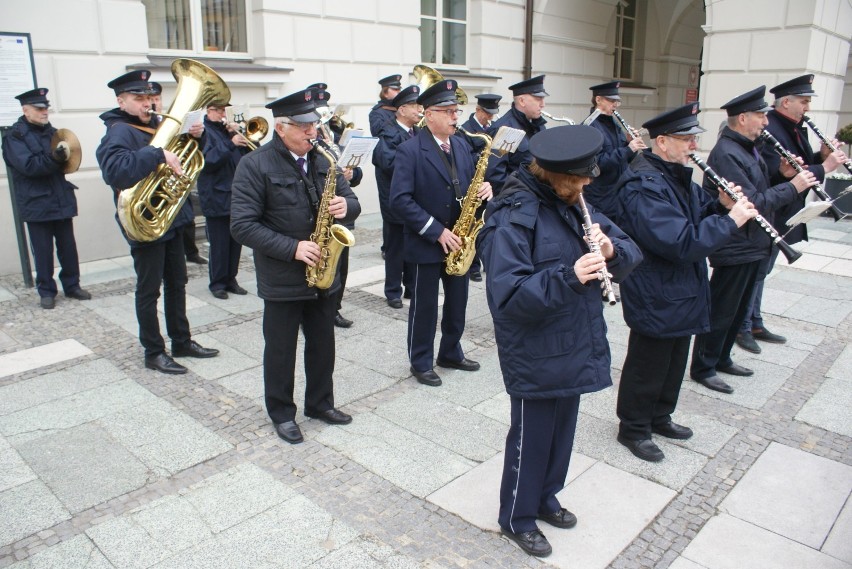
450,165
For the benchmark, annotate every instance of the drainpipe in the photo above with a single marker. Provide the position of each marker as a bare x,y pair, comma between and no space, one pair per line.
528,27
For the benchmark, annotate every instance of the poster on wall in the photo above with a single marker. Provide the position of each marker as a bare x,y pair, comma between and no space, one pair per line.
17,74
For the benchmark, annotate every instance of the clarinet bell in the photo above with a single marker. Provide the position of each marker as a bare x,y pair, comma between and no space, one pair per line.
791,254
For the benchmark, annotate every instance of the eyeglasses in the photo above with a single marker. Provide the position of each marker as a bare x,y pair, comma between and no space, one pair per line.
303,125
689,139
613,101
450,112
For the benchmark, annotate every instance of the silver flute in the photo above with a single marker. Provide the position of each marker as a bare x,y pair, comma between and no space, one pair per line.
594,247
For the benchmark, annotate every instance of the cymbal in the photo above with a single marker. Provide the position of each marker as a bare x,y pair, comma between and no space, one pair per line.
75,155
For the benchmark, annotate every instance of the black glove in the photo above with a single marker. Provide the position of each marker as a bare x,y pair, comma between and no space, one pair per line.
61,153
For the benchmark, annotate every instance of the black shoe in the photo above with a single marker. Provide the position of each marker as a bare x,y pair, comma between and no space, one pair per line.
672,430
193,350
79,294
197,259
47,302
561,519
332,417
745,340
464,365
236,289
532,542
713,382
383,255
220,293
644,449
428,377
765,335
290,432
406,293
476,276
735,369
395,303
341,322
163,363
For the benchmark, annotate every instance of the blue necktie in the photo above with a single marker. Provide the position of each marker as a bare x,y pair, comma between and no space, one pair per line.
300,162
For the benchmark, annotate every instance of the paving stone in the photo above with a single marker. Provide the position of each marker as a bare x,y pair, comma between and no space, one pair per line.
229,360
819,311
471,388
7,342
78,552
729,543
246,338
40,356
498,407
13,470
27,509
248,383
84,466
842,367
363,553
777,494
838,544
353,382
389,358
751,392
5,295
829,407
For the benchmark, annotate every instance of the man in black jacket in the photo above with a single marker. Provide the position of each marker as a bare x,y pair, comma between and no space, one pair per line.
45,199
126,158
735,265
275,196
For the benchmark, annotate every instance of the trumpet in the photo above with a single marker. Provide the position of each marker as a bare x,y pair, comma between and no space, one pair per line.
817,188
825,140
558,119
791,254
253,130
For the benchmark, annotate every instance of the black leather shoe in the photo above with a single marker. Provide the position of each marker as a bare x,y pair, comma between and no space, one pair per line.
341,322
672,430
236,289
395,302
197,259
428,377
765,335
561,519
47,302
476,277
406,293
532,542
746,341
464,365
193,350
164,363
220,293
736,369
79,294
289,432
644,449
713,382
332,417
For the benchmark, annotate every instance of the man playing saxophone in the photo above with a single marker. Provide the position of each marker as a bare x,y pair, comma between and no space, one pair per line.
125,157
432,173
276,192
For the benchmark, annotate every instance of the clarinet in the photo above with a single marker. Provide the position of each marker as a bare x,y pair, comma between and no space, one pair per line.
634,133
603,274
817,188
791,254
826,141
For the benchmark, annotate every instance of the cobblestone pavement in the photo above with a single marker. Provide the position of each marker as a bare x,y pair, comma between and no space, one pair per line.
106,464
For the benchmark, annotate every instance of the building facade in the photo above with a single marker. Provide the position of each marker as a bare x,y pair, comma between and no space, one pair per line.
666,53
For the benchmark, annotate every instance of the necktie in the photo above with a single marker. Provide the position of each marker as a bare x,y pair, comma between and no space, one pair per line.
445,147
300,162
410,132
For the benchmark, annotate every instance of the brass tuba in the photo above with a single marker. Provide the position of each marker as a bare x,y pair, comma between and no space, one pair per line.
426,77
148,209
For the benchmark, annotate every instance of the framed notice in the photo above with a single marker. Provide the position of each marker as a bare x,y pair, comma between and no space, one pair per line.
17,74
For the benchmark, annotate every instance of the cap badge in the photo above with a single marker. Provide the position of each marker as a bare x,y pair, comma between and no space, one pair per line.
694,109
449,85
307,95
42,92
617,84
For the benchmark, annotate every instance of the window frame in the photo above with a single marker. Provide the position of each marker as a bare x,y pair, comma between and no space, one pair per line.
620,47
196,29
439,20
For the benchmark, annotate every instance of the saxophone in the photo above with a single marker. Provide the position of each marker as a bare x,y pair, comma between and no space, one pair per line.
331,237
468,224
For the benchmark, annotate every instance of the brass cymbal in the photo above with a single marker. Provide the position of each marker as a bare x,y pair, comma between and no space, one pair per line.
75,153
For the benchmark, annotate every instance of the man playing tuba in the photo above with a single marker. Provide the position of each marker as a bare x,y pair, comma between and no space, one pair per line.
125,157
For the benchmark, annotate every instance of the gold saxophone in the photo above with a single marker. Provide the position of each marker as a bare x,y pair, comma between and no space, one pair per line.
331,237
148,209
468,224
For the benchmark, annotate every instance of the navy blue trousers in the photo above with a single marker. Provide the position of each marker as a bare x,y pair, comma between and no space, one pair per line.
224,262
161,263
398,273
423,316
42,237
538,452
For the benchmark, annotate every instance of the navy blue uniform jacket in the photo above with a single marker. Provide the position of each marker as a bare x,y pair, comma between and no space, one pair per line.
221,157
390,137
422,193
786,131
612,160
736,159
676,225
41,190
550,329
381,114
125,158
503,167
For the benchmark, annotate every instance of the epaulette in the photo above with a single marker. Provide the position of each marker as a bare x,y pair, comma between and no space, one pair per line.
523,207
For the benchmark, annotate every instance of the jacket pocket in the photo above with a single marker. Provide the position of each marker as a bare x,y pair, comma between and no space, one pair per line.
679,285
546,253
283,191
539,346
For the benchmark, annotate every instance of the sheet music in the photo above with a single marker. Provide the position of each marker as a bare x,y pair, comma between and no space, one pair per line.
357,151
507,139
192,118
811,211
349,134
